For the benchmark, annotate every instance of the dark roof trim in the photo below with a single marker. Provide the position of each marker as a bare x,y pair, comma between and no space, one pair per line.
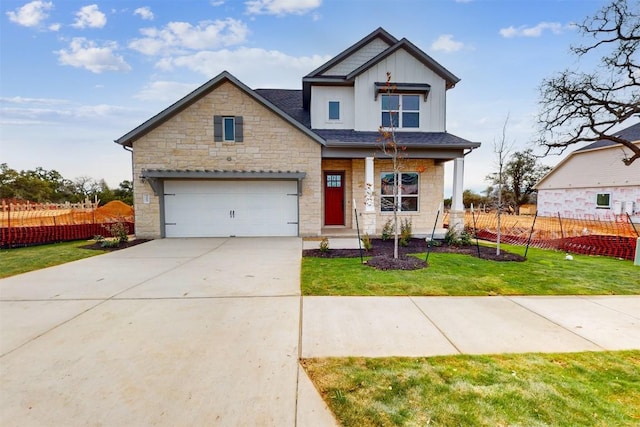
378,33
417,53
155,121
360,152
423,88
336,144
221,174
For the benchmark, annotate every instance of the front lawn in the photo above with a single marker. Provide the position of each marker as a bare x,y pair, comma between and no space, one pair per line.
575,389
545,272
21,260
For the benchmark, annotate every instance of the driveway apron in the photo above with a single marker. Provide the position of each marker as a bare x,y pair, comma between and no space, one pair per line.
170,332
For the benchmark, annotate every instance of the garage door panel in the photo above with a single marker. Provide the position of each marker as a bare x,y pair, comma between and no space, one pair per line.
200,208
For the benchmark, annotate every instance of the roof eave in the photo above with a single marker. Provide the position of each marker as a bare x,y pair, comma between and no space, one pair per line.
378,33
450,78
155,121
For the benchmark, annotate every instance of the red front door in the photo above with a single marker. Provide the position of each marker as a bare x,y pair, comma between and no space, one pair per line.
334,198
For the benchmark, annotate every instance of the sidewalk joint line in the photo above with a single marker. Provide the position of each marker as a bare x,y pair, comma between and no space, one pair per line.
435,325
510,298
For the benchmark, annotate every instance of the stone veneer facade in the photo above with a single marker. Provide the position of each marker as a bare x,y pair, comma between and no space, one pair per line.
185,141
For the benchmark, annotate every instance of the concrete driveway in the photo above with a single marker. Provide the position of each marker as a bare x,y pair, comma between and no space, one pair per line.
171,332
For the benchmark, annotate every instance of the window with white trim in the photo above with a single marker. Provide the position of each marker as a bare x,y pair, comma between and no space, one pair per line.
227,128
603,201
408,191
401,111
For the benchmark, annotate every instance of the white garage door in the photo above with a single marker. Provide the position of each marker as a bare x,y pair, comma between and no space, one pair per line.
198,208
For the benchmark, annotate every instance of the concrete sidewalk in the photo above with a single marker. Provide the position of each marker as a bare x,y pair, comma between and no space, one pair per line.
429,326
209,332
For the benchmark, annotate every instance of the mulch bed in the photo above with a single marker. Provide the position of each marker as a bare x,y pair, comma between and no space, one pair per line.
97,245
382,254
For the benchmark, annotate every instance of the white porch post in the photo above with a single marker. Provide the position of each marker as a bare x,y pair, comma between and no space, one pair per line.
369,214
369,185
456,216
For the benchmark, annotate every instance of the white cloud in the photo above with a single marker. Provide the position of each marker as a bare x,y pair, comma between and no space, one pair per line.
31,14
55,27
145,13
535,31
276,68
165,91
216,2
178,36
83,53
90,16
281,7
40,101
445,43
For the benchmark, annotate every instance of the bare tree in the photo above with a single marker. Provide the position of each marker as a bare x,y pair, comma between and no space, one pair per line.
581,106
521,173
501,148
389,146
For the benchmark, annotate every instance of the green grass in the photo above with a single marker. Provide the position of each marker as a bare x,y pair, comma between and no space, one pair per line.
545,272
575,389
21,260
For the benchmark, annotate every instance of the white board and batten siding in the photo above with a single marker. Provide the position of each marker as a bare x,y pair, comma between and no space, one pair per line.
220,208
404,68
358,58
320,97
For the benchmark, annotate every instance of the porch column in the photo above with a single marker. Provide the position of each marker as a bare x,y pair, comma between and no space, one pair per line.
456,216
369,214
369,186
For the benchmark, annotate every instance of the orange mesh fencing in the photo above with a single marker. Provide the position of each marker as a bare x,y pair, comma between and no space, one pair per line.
23,224
586,235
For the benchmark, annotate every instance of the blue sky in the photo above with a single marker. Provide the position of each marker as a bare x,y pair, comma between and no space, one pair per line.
76,75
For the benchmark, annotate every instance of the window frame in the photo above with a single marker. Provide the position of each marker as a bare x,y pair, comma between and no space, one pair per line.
225,121
600,206
410,196
220,131
399,113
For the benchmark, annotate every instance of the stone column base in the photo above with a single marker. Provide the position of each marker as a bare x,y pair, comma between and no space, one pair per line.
456,221
368,223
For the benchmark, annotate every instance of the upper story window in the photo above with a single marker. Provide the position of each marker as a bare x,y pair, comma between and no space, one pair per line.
227,128
401,111
334,110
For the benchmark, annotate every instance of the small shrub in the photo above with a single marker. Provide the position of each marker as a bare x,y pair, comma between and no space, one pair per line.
387,230
110,243
405,232
98,237
324,245
434,243
453,238
366,242
465,239
119,233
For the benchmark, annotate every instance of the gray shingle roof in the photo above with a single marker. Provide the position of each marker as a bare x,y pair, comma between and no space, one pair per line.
290,101
632,133
348,137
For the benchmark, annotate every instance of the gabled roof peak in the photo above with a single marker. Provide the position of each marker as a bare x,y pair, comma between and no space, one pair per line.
380,33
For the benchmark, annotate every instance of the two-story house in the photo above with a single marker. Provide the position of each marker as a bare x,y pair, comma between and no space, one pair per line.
227,160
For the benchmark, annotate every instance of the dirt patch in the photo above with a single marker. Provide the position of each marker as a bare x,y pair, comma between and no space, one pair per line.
385,248
98,246
388,262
